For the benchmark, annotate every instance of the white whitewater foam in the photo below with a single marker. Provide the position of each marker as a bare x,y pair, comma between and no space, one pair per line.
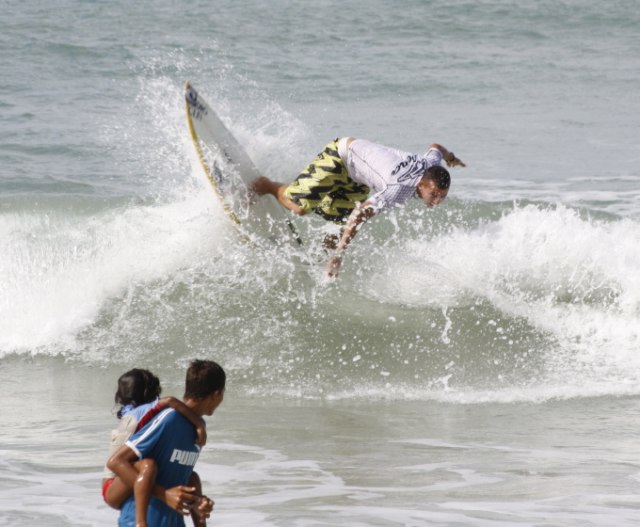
59,270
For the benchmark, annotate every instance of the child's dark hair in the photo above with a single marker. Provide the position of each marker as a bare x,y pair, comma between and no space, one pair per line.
137,387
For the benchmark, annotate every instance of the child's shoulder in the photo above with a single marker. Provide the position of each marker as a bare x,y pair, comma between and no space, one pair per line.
136,412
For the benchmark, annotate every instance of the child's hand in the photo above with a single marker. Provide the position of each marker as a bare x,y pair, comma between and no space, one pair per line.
201,509
201,436
204,506
180,498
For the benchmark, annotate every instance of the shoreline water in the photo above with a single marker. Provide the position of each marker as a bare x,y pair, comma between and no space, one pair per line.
278,461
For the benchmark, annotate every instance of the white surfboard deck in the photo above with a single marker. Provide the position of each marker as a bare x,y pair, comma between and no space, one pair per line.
230,171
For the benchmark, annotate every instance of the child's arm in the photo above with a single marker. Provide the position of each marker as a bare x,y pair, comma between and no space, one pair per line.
178,497
194,418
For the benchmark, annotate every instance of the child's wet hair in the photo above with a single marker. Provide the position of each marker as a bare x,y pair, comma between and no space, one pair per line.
136,387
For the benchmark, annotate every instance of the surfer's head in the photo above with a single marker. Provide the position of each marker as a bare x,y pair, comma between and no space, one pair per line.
137,387
434,185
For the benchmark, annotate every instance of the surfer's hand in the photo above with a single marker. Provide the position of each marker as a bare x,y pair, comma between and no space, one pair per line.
180,498
453,161
333,266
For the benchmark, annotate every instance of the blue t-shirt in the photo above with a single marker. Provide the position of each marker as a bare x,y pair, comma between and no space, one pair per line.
170,440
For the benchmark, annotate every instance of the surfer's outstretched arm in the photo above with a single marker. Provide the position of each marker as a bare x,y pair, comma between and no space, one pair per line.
357,218
449,157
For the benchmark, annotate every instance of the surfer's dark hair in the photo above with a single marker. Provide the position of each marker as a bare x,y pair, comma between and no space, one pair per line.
137,387
203,378
440,175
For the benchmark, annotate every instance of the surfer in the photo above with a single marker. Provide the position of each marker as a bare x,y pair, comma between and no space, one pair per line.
337,184
170,440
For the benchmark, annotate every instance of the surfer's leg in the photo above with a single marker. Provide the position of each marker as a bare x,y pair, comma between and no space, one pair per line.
263,185
316,183
337,205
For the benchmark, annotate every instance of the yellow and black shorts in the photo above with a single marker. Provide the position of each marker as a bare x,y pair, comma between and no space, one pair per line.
324,187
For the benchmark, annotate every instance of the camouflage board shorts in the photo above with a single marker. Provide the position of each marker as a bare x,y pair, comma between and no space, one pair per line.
324,187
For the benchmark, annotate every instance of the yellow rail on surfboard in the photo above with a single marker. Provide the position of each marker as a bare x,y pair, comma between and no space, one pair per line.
205,166
231,171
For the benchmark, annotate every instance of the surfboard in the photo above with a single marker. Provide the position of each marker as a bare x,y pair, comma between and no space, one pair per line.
230,171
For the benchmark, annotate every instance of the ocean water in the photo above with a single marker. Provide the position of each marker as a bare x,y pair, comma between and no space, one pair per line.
474,365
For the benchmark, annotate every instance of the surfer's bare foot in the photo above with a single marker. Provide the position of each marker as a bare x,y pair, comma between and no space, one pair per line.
260,186
263,185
